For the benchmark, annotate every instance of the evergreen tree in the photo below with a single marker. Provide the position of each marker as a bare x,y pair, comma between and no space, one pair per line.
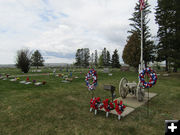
168,21
23,60
78,57
92,59
86,55
96,58
115,59
101,60
104,56
108,58
37,59
148,45
131,52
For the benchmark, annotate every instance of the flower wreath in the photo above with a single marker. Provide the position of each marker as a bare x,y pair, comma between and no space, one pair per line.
151,74
92,73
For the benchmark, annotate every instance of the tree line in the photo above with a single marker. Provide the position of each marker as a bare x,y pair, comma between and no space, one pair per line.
25,59
167,49
84,58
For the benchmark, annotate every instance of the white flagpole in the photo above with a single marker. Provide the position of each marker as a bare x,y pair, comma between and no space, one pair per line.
141,39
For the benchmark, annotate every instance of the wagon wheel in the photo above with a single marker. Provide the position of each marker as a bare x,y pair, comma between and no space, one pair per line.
123,90
140,92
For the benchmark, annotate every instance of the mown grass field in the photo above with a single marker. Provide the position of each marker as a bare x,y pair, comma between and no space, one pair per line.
63,108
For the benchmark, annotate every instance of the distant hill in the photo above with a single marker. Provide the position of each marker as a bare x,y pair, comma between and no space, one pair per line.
45,64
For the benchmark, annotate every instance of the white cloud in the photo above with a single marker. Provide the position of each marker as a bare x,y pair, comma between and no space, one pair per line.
62,26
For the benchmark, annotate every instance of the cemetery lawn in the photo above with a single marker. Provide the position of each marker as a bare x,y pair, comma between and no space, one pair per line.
63,108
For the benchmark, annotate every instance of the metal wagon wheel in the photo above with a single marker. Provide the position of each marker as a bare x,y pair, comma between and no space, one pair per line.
123,89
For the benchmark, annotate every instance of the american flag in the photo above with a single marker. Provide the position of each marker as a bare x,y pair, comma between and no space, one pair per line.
142,4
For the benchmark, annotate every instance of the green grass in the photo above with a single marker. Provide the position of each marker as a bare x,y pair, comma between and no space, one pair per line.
63,108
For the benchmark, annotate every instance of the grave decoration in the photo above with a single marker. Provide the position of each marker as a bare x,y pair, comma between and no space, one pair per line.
27,79
34,81
151,74
138,90
96,103
119,107
60,75
91,75
44,82
70,74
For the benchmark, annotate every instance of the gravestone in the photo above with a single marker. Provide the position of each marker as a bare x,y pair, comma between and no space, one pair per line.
22,81
124,68
13,80
106,70
38,83
54,72
28,82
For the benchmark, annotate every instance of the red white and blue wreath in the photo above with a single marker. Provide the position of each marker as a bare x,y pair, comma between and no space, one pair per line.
91,75
151,74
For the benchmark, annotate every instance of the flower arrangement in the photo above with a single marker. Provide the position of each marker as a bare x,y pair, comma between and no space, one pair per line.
44,82
34,81
151,74
95,103
108,105
91,74
119,107
27,79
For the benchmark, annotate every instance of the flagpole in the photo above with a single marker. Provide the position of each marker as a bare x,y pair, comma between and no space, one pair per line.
141,40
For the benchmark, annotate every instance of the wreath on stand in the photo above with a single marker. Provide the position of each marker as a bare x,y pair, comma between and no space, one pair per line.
91,75
152,75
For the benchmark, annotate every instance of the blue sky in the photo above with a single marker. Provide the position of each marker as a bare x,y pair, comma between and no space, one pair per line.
59,27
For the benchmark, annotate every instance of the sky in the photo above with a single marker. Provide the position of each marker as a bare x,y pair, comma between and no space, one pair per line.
59,27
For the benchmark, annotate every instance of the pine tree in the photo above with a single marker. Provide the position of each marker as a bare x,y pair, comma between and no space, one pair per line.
96,58
92,59
148,45
104,56
37,59
78,57
100,61
115,59
131,52
86,55
108,58
168,21
23,60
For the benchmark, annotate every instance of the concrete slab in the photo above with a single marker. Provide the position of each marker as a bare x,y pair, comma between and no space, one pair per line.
132,101
127,111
